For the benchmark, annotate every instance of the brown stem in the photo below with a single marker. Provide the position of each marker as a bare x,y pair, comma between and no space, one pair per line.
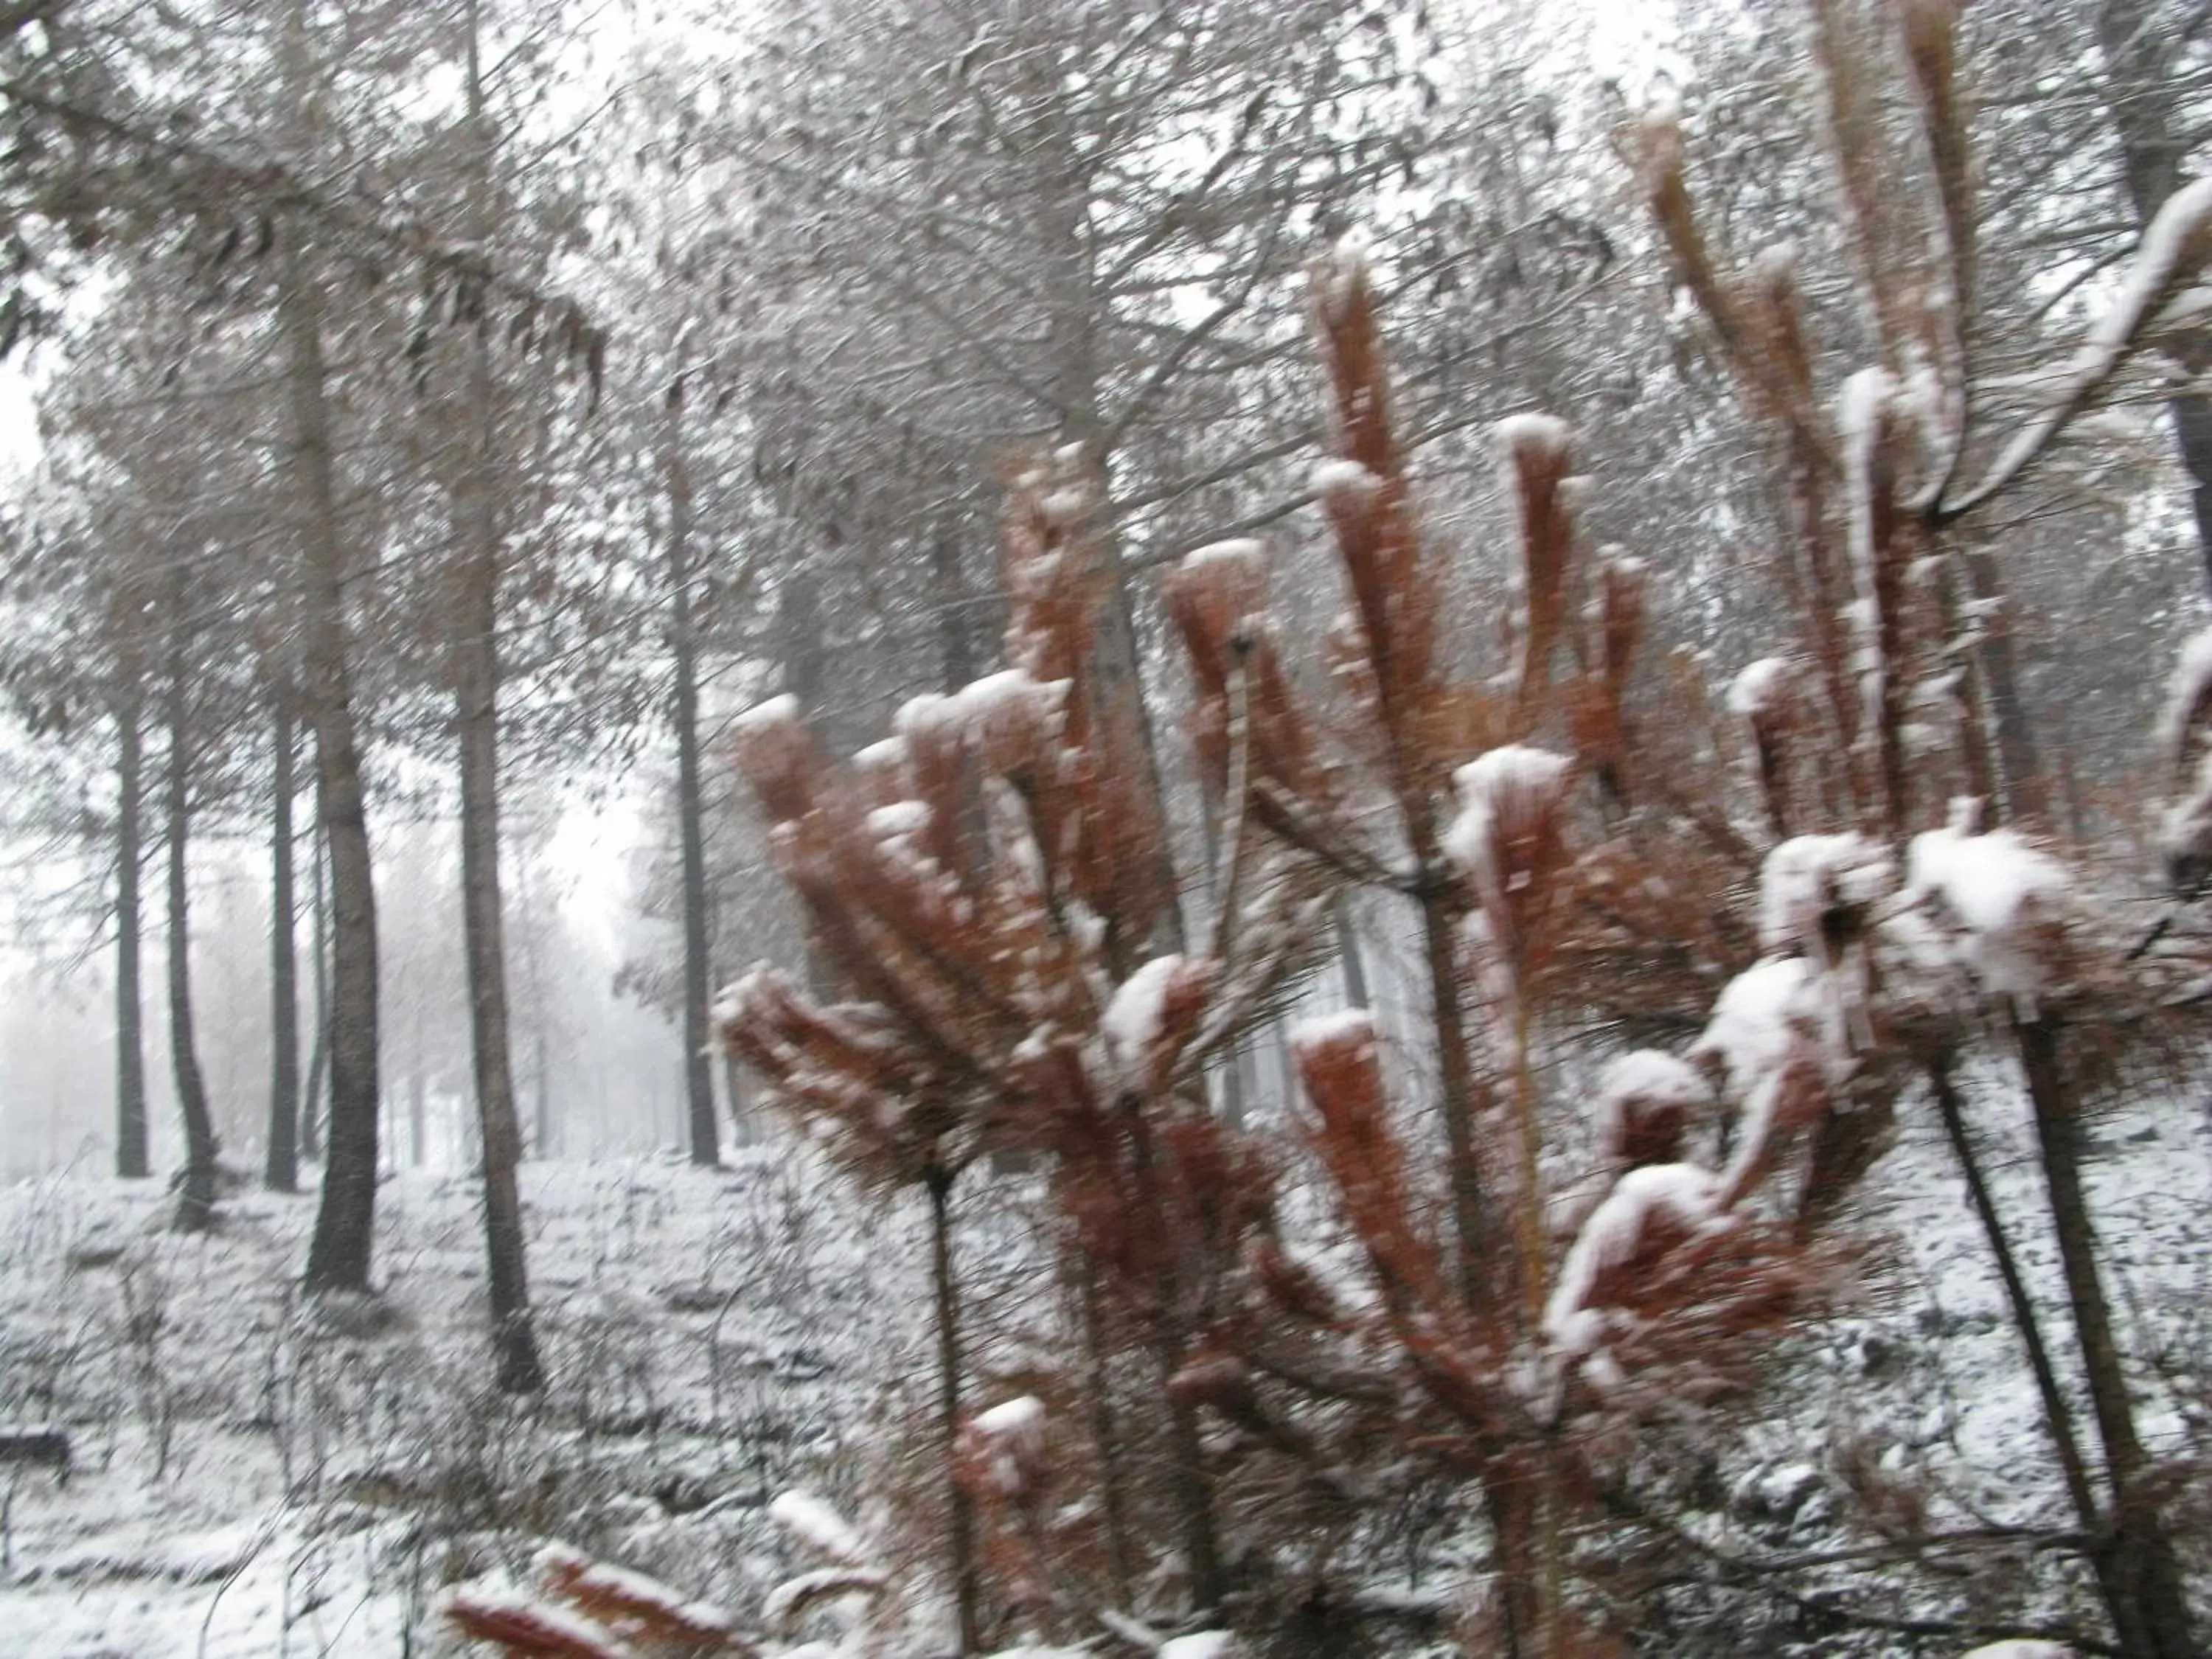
2149,1610
1457,1099
2058,1416
1106,1433
959,1516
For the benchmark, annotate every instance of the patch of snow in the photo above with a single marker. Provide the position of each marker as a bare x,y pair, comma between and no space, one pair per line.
1504,790
1775,263
925,716
817,1525
1203,1644
532,1616
1860,408
1134,1015
1347,1026
2001,892
1762,687
1065,507
1543,435
1644,1080
901,817
1685,1196
1022,1415
773,714
887,753
1011,1437
1247,556
1345,483
2175,246
1340,274
1807,878
2186,692
1759,1018
633,1590
778,1606
1009,691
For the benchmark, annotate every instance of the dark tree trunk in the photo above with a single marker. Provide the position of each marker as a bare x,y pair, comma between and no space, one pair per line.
339,1256
1458,1101
1950,1111
1229,1064
312,1100
1093,1311
1349,960
960,1521
2025,792
2148,1602
956,624
281,1174
799,624
691,832
1171,1335
196,1205
546,1136
799,628
2142,88
499,1123
476,720
131,1162
2113,1581
744,1131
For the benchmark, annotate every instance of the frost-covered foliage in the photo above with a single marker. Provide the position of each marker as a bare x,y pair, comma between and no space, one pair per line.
990,902
1905,741
1550,1290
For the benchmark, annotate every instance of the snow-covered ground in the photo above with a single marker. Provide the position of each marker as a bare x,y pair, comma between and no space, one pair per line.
255,1478
251,1478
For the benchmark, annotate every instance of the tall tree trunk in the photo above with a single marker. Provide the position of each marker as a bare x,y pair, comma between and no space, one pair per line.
547,1137
692,830
2142,90
2150,1605
196,1206
1074,349
2113,1581
743,1130
799,630
312,1100
1350,962
281,1174
960,1521
131,1162
476,720
2026,791
340,1254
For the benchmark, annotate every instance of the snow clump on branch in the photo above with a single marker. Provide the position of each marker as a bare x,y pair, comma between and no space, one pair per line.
2005,899
1815,892
1761,1017
1649,1210
1645,1101
1506,837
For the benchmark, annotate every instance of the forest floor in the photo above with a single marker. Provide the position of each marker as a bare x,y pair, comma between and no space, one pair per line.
253,1476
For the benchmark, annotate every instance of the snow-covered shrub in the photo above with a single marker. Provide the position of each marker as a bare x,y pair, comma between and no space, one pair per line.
1571,1283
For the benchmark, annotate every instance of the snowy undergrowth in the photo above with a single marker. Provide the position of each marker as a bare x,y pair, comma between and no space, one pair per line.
1924,1383
252,1478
